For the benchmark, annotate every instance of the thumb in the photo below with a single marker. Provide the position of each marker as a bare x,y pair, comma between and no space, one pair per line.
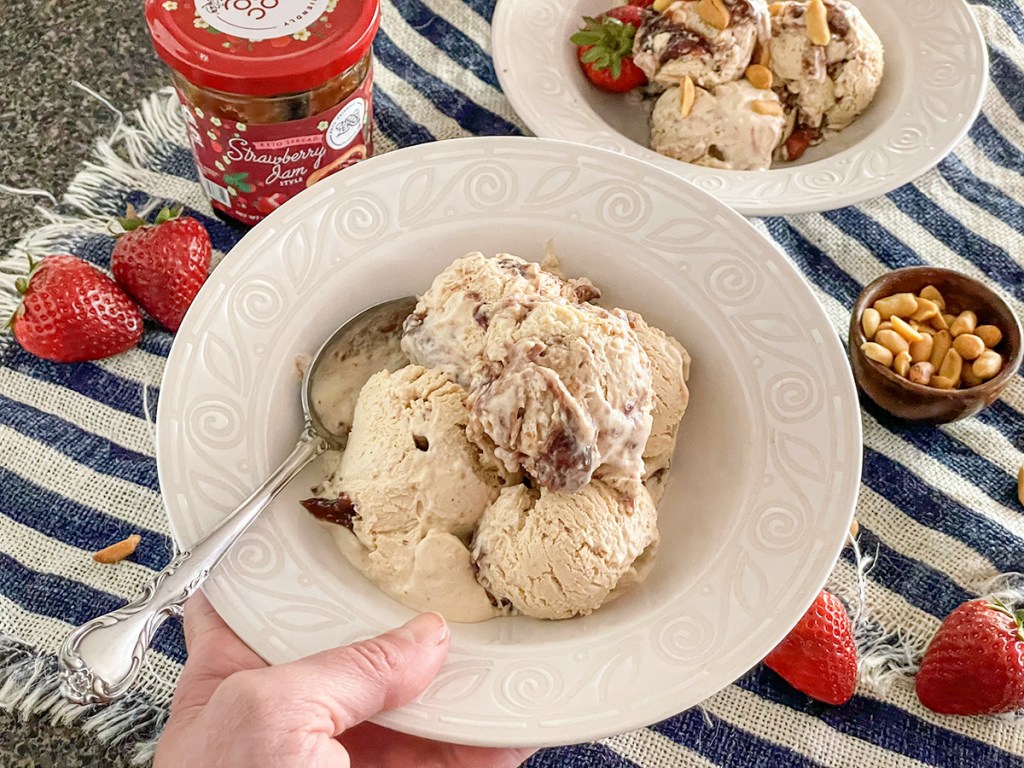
353,683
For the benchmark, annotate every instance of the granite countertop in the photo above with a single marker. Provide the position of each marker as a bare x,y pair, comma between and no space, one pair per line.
47,128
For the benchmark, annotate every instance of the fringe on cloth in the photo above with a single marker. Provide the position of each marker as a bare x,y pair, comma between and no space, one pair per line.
29,688
94,195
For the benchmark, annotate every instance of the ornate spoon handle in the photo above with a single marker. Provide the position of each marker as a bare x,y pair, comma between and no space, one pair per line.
100,660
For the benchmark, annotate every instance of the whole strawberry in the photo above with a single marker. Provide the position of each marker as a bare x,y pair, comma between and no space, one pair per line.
162,265
819,657
604,47
70,311
975,663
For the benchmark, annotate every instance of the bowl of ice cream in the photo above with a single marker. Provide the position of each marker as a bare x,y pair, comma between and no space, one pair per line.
592,630
775,108
955,359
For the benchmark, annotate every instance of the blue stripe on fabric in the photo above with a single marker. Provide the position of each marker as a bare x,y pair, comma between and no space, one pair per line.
450,101
396,123
440,33
157,341
75,524
74,603
884,725
918,583
83,447
1007,78
946,449
483,8
997,147
988,197
727,745
990,259
1009,10
84,378
938,511
578,756
887,248
813,262
1006,420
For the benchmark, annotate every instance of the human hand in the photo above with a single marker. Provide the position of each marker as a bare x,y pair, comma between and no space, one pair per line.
232,709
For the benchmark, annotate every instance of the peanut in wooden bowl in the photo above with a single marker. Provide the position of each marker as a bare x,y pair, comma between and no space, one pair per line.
915,402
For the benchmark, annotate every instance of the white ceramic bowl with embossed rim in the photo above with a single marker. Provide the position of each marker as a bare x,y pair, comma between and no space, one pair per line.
766,474
936,68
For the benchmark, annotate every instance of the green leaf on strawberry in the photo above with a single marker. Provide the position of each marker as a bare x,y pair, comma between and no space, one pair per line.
609,42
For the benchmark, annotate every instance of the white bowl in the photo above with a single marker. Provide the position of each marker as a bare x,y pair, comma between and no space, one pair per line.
936,67
766,473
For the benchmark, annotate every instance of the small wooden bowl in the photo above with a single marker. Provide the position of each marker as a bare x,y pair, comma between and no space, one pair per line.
914,402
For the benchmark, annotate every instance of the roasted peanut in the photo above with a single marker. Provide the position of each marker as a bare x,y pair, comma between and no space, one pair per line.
942,382
948,319
901,364
885,325
892,341
926,309
931,293
965,322
1020,484
661,5
941,343
952,365
903,304
766,107
989,334
817,23
987,365
921,373
759,76
874,351
968,377
687,94
968,345
855,527
939,322
115,553
869,322
714,13
921,350
902,327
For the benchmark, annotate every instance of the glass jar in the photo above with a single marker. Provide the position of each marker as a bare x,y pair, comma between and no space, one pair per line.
276,94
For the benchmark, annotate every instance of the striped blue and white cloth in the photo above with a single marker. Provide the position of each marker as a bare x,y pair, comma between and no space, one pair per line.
937,509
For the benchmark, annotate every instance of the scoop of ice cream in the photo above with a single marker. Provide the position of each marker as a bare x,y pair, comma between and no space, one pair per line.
734,126
562,390
670,368
417,487
684,41
447,328
824,86
553,555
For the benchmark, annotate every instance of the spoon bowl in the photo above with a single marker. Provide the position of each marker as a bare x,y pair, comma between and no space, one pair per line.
100,660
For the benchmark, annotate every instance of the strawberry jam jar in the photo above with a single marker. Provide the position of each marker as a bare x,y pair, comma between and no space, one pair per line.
276,94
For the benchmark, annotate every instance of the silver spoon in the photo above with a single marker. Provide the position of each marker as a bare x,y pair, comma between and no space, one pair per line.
100,660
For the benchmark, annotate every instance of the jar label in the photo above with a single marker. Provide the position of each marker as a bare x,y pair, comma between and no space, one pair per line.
260,19
247,170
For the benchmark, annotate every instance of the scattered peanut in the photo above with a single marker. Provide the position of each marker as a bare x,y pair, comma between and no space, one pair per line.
767,107
965,322
987,365
715,14
901,364
989,335
855,527
941,343
687,94
921,373
931,293
759,76
661,5
904,329
115,553
874,351
1020,484
817,23
903,304
917,338
968,345
921,350
952,366
869,322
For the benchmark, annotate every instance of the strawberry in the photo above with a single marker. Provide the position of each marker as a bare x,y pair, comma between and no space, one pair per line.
819,657
162,266
604,47
975,663
642,3
70,311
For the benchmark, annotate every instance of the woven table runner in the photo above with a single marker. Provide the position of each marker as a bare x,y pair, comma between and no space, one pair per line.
938,510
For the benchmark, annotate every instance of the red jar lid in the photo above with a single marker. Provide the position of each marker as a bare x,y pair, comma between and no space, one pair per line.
261,47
